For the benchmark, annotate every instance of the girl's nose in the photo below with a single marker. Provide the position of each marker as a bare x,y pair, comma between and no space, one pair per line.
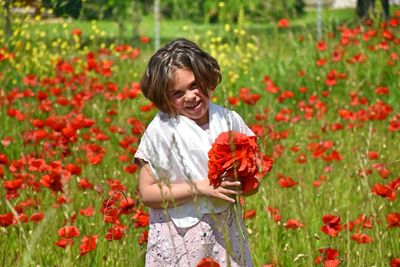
189,95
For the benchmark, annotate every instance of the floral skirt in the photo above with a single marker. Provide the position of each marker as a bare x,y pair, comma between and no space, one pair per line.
220,236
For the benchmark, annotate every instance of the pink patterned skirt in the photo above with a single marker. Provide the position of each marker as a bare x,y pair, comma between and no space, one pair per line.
220,236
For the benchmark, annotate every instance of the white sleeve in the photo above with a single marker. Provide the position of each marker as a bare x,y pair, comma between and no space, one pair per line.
151,149
140,153
241,126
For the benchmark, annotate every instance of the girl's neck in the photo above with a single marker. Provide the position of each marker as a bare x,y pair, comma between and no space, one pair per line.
205,126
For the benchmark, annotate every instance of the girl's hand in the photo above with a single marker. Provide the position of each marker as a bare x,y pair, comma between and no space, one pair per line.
225,177
224,191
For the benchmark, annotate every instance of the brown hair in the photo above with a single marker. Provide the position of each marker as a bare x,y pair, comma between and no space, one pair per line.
178,54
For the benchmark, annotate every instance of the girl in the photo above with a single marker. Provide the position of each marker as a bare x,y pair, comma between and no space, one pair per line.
189,219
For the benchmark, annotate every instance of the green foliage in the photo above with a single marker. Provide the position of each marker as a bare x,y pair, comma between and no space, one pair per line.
61,8
94,9
232,10
208,11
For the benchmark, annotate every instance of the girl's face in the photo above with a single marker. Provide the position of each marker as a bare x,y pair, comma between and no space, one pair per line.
187,98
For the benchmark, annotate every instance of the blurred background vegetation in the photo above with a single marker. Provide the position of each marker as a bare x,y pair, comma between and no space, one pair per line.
125,20
207,11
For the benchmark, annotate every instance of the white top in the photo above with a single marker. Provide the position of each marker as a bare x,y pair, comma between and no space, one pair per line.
176,149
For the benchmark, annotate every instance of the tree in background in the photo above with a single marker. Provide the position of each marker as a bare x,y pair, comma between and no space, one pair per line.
205,11
7,16
366,8
211,11
71,8
130,12
120,11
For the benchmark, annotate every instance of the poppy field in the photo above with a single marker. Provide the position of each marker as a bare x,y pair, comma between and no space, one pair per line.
327,111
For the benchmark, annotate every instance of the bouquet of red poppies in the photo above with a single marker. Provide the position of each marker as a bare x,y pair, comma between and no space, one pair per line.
236,155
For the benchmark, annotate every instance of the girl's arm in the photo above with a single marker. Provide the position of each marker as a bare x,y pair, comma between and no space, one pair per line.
159,195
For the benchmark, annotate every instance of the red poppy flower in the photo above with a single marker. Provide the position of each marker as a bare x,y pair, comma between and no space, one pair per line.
388,35
73,169
321,62
395,183
303,89
134,53
131,168
364,221
321,46
13,184
236,155
6,219
332,156
3,159
52,181
95,159
76,31
68,232
286,181
126,205
395,262
30,79
361,238
111,215
382,90
73,218
393,219
144,39
116,185
233,100
89,211
332,225
36,217
283,23
249,214
384,191
293,224
207,262
147,108
373,155
329,257
141,218
394,124
285,95
85,184
64,242
295,148
258,129
301,158
330,80
274,212
384,173
247,97
116,232
271,87
88,243
143,237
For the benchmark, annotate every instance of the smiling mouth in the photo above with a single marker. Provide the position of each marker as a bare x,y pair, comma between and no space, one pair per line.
194,105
